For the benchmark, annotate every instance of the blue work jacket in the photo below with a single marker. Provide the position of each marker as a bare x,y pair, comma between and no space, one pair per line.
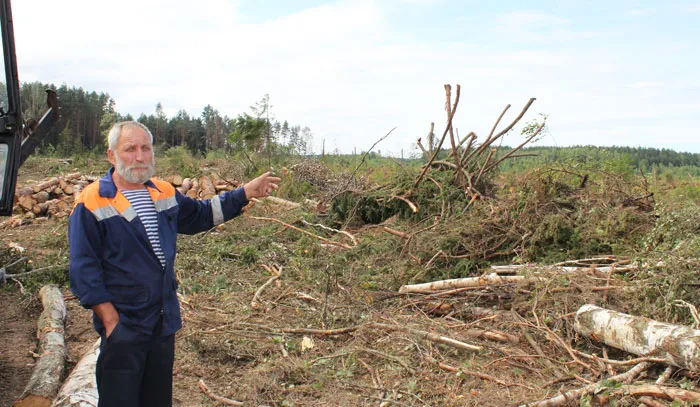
111,257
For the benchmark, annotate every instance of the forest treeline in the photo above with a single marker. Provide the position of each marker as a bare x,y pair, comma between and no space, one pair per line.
615,159
86,117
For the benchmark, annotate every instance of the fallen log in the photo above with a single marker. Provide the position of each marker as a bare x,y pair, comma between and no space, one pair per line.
515,268
676,344
80,388
489,279
48,372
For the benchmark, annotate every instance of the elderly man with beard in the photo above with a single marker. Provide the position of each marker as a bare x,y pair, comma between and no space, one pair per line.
122,234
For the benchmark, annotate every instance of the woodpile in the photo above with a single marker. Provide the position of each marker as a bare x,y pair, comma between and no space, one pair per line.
204,187
51,197
54,197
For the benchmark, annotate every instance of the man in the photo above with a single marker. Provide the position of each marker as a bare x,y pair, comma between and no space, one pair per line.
122,235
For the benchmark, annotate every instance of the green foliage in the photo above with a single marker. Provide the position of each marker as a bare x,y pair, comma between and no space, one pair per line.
249,255
248,132
671,274
179,160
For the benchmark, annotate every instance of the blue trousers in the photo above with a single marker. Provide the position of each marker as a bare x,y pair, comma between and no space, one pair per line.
135,369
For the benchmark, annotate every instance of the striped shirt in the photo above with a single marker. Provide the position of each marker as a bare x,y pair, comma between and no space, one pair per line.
143,205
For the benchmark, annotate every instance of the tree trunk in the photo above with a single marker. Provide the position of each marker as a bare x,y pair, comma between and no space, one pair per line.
678,345
490,279
48,371
80,388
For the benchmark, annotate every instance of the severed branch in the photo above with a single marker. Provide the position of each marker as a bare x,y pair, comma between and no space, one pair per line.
276,273
437,149
429,336
511,152
481,376
323,239
364,156
227,401
576,394
354,241
455,154
490,279
413,206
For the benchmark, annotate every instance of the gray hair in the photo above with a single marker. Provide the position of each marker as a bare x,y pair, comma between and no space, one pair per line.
116,131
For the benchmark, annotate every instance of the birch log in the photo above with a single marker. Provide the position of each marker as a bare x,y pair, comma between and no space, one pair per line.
678,345
48,371
489,279
80,388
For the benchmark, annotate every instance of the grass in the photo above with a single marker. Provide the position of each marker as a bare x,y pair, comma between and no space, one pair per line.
535,216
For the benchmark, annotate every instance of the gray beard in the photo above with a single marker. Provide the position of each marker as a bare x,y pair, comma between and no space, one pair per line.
132,177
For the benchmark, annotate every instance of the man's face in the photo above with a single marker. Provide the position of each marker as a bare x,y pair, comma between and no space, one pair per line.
133,158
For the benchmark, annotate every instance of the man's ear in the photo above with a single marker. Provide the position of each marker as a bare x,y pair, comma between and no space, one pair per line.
110,156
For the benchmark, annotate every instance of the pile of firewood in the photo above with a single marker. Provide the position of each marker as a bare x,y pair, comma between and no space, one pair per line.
203,187
54,197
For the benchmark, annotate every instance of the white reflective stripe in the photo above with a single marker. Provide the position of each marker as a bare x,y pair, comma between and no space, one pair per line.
105,212
217,211
165,204
129,214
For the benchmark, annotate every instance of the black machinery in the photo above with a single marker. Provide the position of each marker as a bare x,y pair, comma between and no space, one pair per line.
17,139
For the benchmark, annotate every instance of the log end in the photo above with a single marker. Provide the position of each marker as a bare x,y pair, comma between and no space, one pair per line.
33,400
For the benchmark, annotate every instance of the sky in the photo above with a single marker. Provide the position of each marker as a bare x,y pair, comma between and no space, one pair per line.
604,72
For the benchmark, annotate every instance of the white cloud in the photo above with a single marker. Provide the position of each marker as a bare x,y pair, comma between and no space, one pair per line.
338,68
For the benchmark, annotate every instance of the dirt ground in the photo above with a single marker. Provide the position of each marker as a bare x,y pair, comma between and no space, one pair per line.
17,330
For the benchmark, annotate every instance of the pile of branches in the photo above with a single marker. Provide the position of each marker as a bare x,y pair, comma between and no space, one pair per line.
470,161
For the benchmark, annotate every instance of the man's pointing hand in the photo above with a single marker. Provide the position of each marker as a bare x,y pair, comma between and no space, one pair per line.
261,186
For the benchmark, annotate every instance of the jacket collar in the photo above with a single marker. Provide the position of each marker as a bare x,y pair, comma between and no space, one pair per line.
108,189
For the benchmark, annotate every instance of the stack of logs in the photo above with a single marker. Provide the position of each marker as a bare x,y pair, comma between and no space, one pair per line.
54,196
203,187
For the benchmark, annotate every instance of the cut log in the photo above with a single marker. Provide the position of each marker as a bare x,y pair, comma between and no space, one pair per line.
41,197
24,191
48,371
490,279
45,184
207,187
68,189
80,388
72,176
177,180
194,191
187,184
678,345
40,209
26,202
